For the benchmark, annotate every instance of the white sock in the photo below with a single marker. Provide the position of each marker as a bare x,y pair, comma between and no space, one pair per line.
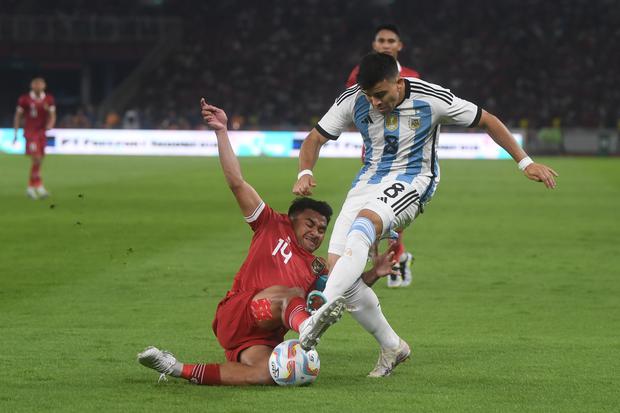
364,306
350,265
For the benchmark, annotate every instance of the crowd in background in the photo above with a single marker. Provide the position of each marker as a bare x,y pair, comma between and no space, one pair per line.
280,65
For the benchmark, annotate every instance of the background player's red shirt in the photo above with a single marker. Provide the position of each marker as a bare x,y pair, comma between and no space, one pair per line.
36,112
275,257
404,72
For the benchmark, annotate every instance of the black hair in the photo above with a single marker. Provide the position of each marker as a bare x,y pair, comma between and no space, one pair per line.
375,67
391,27
303,203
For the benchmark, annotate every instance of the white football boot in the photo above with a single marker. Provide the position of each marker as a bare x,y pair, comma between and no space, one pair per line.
405,268
311,330
42,192
162,361
389,359
394,281
31,192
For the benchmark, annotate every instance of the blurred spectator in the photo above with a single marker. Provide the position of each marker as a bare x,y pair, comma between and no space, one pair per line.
131,120
112,120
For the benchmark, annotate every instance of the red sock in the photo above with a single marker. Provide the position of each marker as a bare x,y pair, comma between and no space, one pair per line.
208,374
35,178
295,313
398,247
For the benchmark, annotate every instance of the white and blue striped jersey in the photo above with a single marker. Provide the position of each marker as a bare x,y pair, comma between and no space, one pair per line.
402,144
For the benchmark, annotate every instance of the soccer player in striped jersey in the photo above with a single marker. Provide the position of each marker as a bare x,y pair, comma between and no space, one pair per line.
387,40
399,119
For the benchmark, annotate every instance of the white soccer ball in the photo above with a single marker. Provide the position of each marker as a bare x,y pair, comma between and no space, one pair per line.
291,365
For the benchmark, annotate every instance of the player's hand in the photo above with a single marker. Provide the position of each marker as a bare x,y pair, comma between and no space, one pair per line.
213,116
304,185
385,264
541,173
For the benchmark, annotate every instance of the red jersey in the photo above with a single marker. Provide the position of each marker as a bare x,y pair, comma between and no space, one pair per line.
404,72
36,112
275,257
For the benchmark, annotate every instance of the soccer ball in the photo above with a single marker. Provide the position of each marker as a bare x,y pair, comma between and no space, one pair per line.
290,365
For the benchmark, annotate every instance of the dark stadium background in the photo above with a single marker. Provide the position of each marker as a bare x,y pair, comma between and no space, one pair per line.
279,64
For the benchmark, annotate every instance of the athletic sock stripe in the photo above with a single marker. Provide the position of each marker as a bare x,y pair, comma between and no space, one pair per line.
295,311
407,205
448,100
365,226
396,204
352,90
427,86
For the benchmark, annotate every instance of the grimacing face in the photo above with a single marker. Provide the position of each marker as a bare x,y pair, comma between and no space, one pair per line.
386,41
386,95
309,227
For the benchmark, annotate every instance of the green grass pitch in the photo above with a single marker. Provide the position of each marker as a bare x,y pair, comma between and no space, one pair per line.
515,304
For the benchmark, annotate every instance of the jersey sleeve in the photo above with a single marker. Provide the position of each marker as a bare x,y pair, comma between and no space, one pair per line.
262,215
22,105
462,113
450,109
51,103
340,115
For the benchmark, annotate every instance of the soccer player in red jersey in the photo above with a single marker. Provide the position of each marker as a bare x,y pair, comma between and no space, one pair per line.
387,40
267,297
39,112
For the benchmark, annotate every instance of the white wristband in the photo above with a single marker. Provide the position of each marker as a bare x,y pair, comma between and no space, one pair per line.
304,172
525,162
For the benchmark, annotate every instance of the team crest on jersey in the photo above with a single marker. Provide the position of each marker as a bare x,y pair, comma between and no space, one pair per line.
319,266
414,122
391,122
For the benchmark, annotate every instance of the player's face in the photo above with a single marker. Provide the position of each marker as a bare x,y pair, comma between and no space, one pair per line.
37,86
309,227
387,41
386,95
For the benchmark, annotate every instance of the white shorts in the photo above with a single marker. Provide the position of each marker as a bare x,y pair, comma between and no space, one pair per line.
396,202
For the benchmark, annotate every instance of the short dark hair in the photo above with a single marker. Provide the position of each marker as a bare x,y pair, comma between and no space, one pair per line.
391,27
303,203
375,67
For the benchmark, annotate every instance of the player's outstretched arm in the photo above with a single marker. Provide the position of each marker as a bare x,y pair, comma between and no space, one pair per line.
502,136
247,198
308,155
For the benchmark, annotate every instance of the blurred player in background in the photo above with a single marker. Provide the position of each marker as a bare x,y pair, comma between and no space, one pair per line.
39,112
268,295
399,119
387,40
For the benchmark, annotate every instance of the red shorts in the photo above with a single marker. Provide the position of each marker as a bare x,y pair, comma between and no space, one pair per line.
236,329
35,142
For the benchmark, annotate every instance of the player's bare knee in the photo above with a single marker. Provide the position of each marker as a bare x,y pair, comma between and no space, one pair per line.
374,218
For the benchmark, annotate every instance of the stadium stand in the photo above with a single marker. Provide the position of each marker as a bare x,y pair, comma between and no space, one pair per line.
279,66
